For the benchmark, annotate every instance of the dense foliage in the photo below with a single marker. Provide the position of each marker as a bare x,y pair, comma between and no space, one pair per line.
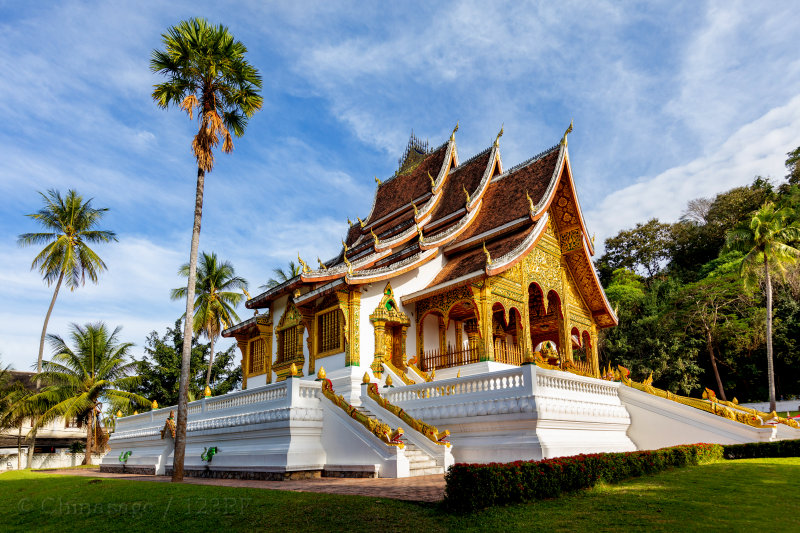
160,368
684,313
475,486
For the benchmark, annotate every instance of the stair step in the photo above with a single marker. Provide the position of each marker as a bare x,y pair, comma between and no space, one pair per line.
426,471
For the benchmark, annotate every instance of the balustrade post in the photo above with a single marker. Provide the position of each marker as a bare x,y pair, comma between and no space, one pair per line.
203,407
529,379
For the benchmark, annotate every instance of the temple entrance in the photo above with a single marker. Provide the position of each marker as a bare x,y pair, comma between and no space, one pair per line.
393,341
391,326
545,321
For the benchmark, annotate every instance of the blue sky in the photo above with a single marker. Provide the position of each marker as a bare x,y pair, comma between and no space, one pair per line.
671,101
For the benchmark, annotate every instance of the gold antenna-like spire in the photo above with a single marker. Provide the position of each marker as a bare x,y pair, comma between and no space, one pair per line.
360,222
246,294
593,236
466,192
321,264
569,130
306,269
488,256
374,237
349,222
433,181
530,203
419,231
416,211
346,262
379,182
500,134
453,135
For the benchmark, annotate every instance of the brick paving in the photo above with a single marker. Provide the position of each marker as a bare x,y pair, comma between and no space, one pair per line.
417,489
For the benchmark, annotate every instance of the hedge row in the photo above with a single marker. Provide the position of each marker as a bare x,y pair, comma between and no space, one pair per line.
475,486
754,450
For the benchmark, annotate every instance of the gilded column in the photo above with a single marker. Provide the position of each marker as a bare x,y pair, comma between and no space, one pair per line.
594,355
459,334
403,332
380,347
243,345
442,336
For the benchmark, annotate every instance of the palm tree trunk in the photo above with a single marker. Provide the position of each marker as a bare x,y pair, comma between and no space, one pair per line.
44,328
19,447
710,346
770,366
210,362
87,457
186,355
31,446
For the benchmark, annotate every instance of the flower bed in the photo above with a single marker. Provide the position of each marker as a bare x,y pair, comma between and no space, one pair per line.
754,450
475,486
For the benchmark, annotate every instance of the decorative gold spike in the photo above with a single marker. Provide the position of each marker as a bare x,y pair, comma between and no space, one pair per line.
207,392
246,294
735,401
305,266
569,130
365,379
530,203
416,211
293,369
488,256
321,264
593,236
119,413
348,263
154,405
433,181
459,373
377,241
466,192
419,231
349,222
388,381
379,182
345,245
453,135
500,134
135,413
360,222
321,373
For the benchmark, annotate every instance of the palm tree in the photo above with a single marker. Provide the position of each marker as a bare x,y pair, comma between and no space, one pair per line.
207,72
766,240
70,223
78,378
214,300
282,275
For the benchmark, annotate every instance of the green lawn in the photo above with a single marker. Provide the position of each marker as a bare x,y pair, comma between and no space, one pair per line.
744,495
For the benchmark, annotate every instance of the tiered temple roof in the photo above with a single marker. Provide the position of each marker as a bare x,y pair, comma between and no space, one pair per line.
482,218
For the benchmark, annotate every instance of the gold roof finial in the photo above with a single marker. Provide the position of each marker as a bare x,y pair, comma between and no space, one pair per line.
379,182
207,392
349,222
321,264
246,294
346,262
433,181
305,268
569,130
377,242
593,236
530,203
293,369
419,231
416,211
365,379
500,134
466,192
488,256
453,135
360,221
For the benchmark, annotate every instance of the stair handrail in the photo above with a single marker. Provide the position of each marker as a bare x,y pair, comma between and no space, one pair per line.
400,373
429,431
383,431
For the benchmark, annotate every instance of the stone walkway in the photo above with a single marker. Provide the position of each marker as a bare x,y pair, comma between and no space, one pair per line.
417,489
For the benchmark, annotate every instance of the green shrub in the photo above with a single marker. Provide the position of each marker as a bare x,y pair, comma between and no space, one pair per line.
475,486
755,450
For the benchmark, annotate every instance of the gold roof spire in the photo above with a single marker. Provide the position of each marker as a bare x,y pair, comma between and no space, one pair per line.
379,182
346,262
500,134
453,135
360,221
416,211
305,266
419,231
466,192
530,203
488,256
321,264
433,181
377,242
569,130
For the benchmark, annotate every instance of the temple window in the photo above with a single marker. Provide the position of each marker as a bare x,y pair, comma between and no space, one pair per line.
257,356
287,344
330,332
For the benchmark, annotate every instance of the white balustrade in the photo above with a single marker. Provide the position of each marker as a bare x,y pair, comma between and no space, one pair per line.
506,381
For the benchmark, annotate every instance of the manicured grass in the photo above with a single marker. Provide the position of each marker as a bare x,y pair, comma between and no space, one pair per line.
76,467
742,495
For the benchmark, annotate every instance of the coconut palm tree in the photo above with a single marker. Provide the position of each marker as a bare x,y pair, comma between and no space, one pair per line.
282,275
70,226
78,379
208,74
215,301
766,240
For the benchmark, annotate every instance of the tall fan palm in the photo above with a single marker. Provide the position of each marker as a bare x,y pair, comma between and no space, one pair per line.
77,379
70,225
207,73
282,275
215,301
766,240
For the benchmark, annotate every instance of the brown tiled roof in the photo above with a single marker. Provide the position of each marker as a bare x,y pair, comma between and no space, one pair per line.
403,189
505,200
474,259
466,176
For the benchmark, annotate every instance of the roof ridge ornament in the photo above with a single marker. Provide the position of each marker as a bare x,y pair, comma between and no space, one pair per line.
305,266
379,182
593,236
564,138
377,242
346,262
533,208
321,264
360,222
488,256
500,134
465,192
433,181
453,135
416,211
419,231
349,222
